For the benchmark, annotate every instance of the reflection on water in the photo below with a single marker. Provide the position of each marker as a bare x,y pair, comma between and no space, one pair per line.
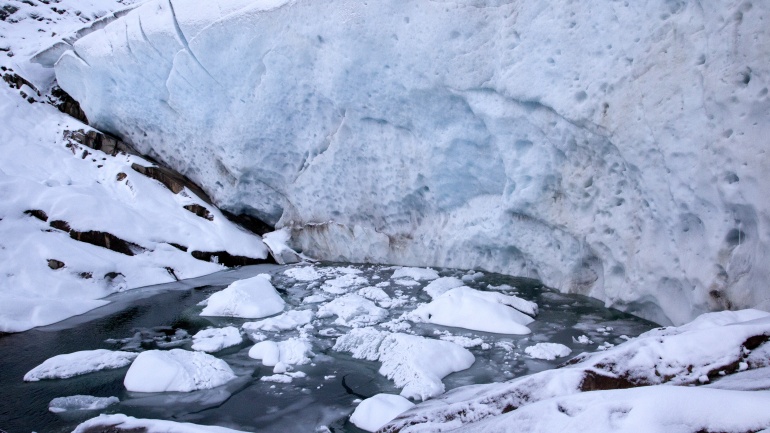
165,316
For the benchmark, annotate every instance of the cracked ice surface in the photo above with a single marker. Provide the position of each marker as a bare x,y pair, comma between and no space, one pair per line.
615,151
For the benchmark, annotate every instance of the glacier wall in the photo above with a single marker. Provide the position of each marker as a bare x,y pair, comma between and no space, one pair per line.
615,149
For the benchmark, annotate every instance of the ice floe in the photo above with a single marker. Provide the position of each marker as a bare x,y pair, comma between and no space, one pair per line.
77,363
416,364
419,274
440,286
80,402
252,298
120,422
176,370
216,339
291,319
468,308
352,310
547,351
293,351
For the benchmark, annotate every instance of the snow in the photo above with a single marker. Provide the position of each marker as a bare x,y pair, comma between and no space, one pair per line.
377,410
293,351
419,274
77,363
547,351
467,308
377,295
176,370
128,423
291,319
343,283
353,310
216,339
252,298
303,273
415,364
440,286
80,402
277,243
431,134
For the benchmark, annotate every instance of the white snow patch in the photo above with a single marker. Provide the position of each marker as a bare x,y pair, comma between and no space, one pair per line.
176,370
252,298
77,363
378,410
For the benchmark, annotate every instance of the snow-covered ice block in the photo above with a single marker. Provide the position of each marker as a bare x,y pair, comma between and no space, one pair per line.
547,351
353,310
216,339
468,308
293,351
303,273
378,410
343,283
77,363
440,286
80,402
252,298
176,370
291,319
419,274
377,295
416,364
127,423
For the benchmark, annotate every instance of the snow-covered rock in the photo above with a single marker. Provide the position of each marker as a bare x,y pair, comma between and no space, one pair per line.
291,319
77,363
416,364
613,150
468,308
80,402
251,298
216,339
176,370
352,310
293,351
378,410
119,422
548,351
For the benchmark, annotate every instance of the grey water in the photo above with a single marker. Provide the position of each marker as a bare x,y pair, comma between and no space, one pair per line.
165,316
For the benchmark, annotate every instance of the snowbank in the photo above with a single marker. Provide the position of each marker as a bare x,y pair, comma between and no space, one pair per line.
77,363
176,370
251,298
469,135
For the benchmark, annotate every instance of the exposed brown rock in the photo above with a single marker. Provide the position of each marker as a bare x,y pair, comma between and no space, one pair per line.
593,381
226,259
200,211
120,176
37,213
55,264
104,240
249,222
67,105
60,225
179,247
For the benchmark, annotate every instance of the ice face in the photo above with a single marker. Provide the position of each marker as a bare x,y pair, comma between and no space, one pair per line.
617,152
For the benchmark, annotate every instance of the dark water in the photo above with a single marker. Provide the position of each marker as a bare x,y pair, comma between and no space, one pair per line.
159,317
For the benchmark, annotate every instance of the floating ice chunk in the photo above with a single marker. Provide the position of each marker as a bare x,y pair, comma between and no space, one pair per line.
440,286
80,402
467,308
303,273
547,351
377,295
416,364
291,319
472,276
353,310
465,342
314,299
419,274
216,339
176,370
252,298
276,378
77,363
120,422
406,283
293,351
347,270
343,283
583,339
378,410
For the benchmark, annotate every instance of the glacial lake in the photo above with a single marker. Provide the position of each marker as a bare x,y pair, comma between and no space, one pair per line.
165,316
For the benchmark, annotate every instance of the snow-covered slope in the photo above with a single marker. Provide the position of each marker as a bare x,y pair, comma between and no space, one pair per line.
77,224
616,149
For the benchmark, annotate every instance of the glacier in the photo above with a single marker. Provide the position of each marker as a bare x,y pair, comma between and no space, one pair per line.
613,149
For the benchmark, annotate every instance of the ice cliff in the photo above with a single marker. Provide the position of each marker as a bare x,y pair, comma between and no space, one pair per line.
615,149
